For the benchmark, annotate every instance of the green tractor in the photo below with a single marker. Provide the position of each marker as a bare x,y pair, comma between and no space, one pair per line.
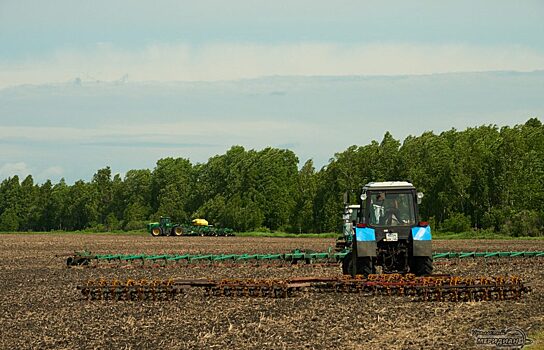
164,227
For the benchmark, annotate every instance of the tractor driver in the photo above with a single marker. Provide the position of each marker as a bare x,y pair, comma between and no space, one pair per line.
392,213
378,210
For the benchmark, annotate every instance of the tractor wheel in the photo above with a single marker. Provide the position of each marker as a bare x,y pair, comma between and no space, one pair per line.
155,232
177,231
364,265
346,264
422,265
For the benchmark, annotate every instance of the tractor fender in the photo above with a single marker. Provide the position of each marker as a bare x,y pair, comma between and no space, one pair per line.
365,238
421,241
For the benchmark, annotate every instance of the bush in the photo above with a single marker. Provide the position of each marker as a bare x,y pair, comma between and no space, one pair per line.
432,223
99,228
524,223
112,223
457,223
495,218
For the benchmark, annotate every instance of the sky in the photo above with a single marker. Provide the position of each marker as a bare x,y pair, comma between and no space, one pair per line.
84,85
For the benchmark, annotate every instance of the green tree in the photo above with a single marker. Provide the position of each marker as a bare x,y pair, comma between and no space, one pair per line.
45,214
303,217
82,206
482,177
28,204
9,221
171,187
103,188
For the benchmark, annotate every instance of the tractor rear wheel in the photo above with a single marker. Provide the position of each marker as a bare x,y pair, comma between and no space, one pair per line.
346,264
364,266
177,231
422,265
155,232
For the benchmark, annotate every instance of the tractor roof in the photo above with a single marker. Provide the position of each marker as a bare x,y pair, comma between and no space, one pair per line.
389,185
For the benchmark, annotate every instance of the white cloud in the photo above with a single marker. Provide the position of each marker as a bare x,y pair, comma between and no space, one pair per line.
22,169
53,172
10,169
237,61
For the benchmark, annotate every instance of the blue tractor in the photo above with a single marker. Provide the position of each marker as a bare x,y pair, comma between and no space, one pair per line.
385,231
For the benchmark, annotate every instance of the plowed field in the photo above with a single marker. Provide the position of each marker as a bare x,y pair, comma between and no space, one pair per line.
40,307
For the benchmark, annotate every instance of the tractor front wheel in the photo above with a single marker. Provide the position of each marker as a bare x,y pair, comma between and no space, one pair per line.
155,232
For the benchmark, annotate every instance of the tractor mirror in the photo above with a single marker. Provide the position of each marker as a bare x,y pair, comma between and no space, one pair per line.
420,196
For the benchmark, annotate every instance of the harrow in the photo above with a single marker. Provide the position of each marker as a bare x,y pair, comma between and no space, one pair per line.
85,258
432,288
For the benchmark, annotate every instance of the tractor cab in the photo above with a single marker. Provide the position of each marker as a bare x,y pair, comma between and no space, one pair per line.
164,221
388,233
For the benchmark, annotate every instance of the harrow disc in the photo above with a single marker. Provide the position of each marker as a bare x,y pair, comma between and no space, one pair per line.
431,288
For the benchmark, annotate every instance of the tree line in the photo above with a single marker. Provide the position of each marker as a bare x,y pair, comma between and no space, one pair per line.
484,178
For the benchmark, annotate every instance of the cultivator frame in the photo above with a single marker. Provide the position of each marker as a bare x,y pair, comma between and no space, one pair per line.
431,288
85,258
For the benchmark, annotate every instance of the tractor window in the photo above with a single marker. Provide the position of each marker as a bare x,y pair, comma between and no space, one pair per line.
392,209
354,214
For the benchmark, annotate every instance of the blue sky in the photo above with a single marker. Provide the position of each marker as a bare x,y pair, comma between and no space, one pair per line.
84,85
37,27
